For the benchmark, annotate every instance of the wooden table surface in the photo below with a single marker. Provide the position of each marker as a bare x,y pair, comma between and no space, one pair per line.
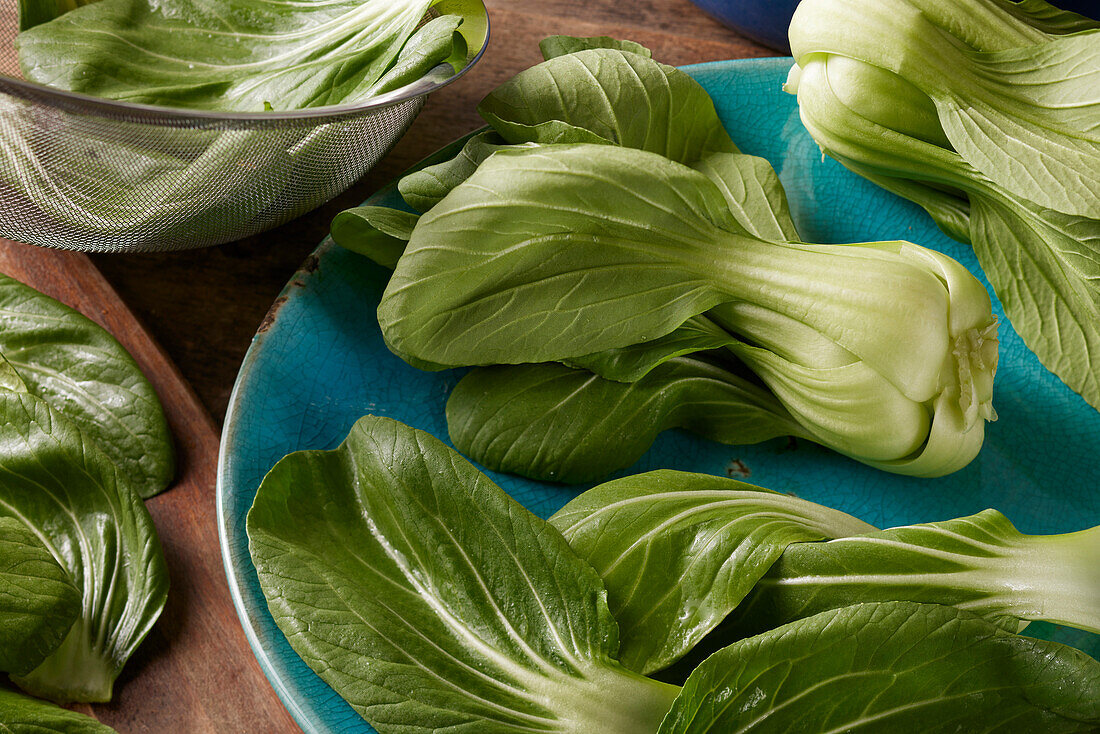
203,306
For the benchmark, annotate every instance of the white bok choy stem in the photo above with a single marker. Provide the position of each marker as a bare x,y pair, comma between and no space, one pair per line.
979,563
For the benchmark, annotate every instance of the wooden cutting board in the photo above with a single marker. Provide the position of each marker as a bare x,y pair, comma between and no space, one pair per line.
195,672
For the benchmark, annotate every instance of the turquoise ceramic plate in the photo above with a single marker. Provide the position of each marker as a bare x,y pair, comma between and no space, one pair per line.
319,363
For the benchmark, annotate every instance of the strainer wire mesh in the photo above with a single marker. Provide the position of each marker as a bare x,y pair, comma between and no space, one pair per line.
103,176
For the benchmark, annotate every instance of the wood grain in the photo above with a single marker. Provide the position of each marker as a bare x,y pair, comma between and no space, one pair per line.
195,671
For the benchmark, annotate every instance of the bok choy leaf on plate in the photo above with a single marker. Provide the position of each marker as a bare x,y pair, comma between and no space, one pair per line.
679,552
429,599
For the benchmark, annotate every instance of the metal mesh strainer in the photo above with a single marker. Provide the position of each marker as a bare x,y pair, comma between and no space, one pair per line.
82,173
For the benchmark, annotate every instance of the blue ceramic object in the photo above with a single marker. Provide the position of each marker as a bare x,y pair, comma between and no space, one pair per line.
319,363
766,21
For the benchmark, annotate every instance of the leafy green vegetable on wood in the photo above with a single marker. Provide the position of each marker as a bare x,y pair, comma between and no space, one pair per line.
21,714
82,371
38,601
87,512
890,667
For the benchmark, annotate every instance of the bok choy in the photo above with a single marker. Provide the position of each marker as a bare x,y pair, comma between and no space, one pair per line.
608,222
21,714
58,484
979,563
58,354
694,548
245,55
431,600
38,600
984,112
883,351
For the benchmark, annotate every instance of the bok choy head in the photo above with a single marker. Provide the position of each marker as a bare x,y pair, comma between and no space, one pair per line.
984,112
884,351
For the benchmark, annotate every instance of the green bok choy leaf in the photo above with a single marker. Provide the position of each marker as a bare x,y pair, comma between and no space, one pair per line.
577,184
589,90
890,667
980,563
430,600
34,12
21,714
65,358
244,55
86,511
38,601
679,551
551,422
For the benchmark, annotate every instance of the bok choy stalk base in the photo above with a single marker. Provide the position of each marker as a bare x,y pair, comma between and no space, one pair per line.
431,601
979,563
984,113
609,223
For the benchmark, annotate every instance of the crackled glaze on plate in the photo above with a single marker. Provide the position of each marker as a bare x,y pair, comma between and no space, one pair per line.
319,363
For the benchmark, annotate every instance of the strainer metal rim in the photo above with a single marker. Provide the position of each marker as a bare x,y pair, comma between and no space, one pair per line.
84,104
